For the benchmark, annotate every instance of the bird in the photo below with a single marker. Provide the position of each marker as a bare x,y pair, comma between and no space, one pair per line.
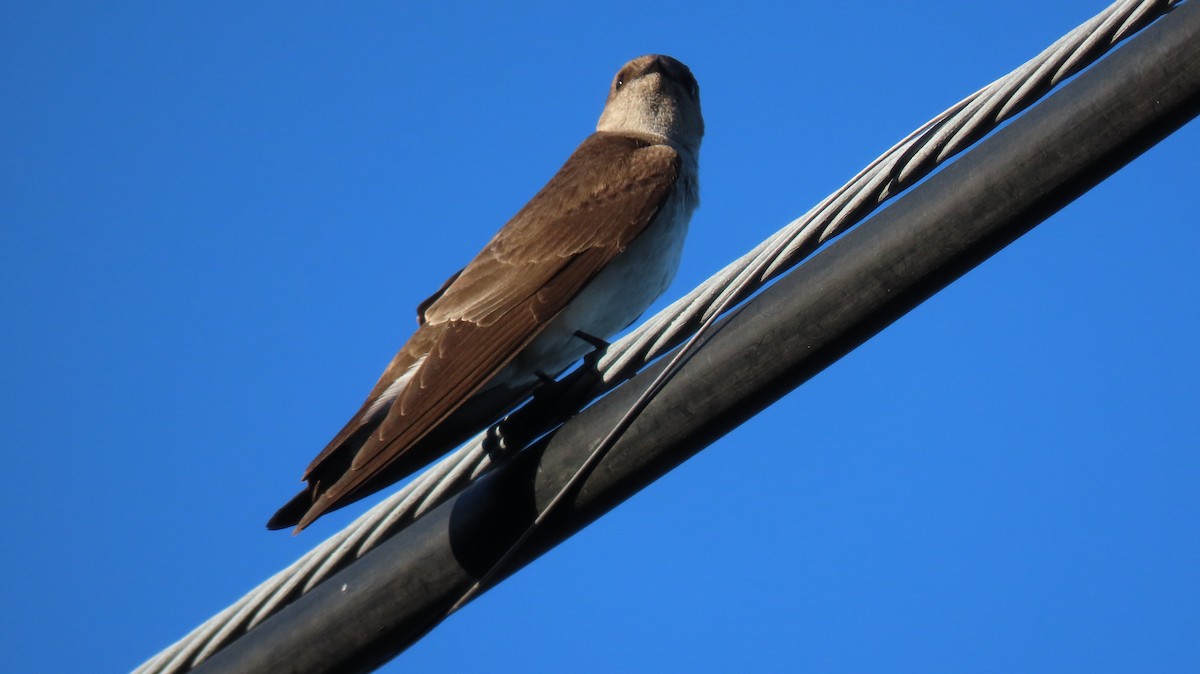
582,260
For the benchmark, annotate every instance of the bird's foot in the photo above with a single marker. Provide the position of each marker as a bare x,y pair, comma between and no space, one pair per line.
495,442
513,431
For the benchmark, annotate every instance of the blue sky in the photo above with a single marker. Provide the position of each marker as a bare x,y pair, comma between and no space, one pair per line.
210,218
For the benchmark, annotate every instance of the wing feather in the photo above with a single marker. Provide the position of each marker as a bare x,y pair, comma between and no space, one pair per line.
605,195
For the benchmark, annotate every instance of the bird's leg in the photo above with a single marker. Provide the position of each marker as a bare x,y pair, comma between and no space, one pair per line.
553,401
592,339
592,359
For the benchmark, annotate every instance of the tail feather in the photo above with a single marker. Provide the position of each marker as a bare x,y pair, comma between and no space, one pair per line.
335,463
292,512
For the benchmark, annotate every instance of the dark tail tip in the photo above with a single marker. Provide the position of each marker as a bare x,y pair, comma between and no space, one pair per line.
291,513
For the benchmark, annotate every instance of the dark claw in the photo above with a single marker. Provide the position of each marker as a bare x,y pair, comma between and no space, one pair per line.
493,441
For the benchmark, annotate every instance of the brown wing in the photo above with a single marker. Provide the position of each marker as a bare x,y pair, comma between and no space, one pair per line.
598,202
428,302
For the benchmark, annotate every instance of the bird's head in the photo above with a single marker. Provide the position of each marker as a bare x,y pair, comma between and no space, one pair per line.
655,94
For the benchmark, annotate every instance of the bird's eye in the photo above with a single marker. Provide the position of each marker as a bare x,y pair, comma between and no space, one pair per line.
622,77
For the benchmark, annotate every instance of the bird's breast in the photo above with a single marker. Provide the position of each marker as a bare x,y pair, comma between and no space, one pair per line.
614,298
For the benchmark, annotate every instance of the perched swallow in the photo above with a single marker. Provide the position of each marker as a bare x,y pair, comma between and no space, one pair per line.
586,256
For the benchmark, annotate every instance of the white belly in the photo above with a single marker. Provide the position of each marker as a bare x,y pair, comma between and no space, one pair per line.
612,300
